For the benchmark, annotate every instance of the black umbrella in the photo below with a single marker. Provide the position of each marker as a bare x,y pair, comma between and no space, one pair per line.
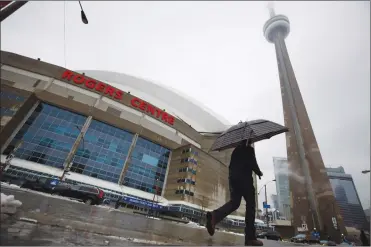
253,131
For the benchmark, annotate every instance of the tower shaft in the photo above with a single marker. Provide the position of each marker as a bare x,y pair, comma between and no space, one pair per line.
313,202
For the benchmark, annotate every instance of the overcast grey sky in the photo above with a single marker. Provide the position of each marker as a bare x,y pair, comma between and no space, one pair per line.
215,52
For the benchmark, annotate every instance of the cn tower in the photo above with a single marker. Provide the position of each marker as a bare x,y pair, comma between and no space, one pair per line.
312,199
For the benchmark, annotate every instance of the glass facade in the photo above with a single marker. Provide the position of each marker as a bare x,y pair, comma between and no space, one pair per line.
102,152
281,172
9,96
48,135
50,132
347,199
147,166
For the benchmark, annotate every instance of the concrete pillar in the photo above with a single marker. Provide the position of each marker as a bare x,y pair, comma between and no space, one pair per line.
77,142
79,138
167,173
17,122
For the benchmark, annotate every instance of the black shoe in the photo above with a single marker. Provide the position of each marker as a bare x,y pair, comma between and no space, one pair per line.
210,225
254,242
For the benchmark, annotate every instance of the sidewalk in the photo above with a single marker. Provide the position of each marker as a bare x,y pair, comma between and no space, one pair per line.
23,233
71,216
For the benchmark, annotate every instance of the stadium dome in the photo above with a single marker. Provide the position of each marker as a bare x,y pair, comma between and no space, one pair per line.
181,106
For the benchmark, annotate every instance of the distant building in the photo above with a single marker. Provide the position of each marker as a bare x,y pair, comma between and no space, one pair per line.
347,198
274,199
367,213
281,172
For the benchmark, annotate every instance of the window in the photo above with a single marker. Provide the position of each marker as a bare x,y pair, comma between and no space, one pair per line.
18,172
102,152
188,169
147,166
48,135
188,160
190,150
186,180
184,192
7,95
7,112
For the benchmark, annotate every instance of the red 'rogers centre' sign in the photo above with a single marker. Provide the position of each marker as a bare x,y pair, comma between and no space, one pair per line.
117,94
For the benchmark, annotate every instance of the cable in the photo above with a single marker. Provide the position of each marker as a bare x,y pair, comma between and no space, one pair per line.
64,40
64,34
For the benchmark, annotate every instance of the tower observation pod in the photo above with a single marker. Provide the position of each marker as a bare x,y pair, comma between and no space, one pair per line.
312,202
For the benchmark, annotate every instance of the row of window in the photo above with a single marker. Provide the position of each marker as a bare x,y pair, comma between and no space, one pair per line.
151,188
151,178
189,160
188,169
7,112
189,150
184,192
18,172
6,95
186,181
186,209
50,132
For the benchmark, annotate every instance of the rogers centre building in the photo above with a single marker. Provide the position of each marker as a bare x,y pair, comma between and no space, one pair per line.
130,137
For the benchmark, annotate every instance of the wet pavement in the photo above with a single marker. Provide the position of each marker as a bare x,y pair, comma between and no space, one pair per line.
43,235
66,222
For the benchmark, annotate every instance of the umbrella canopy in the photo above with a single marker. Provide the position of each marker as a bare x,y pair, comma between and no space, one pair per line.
253,131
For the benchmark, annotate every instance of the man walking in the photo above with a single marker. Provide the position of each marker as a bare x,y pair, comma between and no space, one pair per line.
243,163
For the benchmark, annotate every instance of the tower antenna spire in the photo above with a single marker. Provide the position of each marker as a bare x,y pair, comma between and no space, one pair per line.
270,7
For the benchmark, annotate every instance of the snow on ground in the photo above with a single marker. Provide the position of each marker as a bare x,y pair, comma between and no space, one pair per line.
194,225
107,207
8,200
136,240
233,233
154,218
9,185
9,205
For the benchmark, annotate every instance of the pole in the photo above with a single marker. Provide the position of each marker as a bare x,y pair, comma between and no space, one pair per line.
68,162
153,200
9,157
266,205
9,10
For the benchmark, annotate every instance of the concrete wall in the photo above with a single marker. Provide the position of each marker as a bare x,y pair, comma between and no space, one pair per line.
42,70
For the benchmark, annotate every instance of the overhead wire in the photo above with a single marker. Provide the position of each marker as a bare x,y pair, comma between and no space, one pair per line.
64,42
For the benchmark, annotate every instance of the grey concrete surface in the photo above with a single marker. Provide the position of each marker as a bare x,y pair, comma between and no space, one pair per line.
101,221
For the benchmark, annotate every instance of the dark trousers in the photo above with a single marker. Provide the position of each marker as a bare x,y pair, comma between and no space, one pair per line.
240,188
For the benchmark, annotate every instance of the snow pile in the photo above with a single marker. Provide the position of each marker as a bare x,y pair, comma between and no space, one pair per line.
154,218
8,204
9,185
233,233
194,225
140,241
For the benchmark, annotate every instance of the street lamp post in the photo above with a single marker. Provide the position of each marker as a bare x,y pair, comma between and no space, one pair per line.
154,195
266,199
83,16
